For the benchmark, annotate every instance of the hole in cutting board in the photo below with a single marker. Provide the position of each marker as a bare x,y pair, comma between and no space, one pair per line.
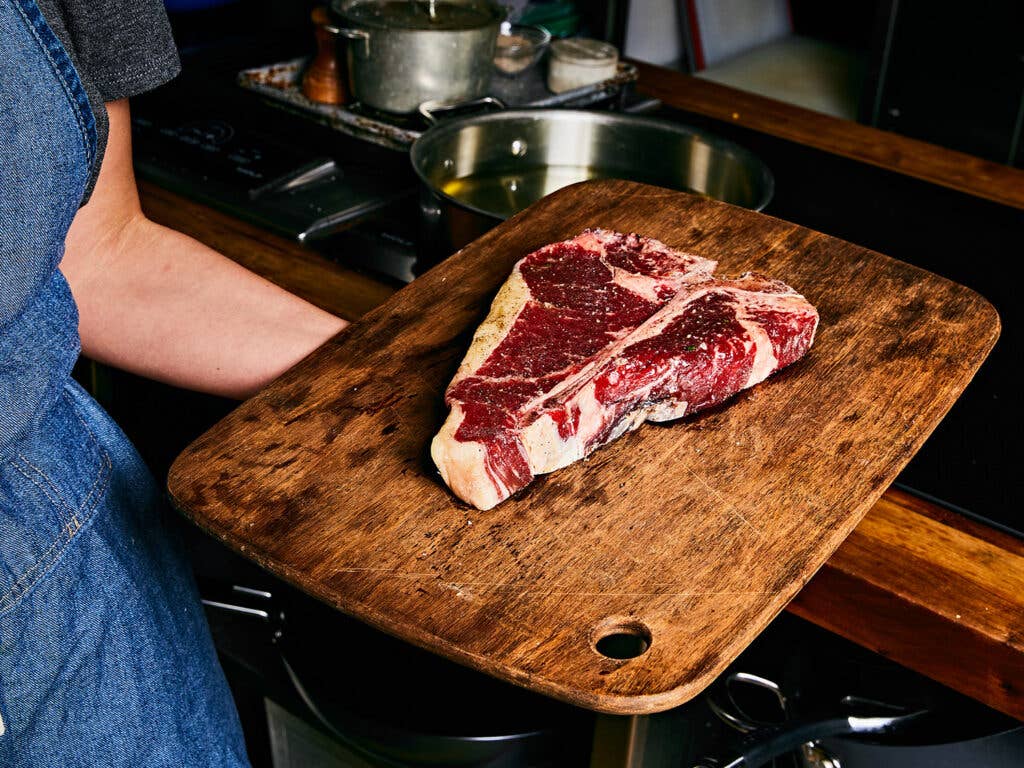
621,638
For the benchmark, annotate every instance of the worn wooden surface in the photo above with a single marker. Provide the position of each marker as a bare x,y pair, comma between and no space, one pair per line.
699,532
933,591
902,154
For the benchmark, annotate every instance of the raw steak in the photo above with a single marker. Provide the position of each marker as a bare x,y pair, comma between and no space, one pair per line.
593,336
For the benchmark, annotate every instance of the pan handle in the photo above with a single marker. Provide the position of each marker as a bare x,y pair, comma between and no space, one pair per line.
732,713
430,109
764,741
350,34
768,743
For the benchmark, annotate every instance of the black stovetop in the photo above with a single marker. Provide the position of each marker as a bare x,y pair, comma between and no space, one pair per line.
965,464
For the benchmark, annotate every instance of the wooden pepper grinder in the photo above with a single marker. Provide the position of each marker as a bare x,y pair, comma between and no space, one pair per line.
324,79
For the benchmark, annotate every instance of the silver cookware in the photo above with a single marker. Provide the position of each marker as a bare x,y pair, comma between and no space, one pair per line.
478,171
401,53
827,704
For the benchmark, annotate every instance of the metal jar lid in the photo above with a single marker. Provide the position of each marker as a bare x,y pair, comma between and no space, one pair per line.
584,51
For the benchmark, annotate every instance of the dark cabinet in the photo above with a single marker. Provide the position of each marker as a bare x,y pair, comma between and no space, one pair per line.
951,73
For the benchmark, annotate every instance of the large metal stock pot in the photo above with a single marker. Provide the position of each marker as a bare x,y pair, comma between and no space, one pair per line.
402,53
478,171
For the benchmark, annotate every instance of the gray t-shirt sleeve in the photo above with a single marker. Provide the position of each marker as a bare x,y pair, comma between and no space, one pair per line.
124,47
120,48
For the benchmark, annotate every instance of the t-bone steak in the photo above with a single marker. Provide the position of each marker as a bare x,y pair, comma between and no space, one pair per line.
589,338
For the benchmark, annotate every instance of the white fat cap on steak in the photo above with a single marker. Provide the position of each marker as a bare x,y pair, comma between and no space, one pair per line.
463,465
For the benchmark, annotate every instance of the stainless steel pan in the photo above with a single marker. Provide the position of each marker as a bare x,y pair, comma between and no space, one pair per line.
477,171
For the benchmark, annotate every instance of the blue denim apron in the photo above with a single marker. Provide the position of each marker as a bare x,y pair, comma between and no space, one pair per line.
105,655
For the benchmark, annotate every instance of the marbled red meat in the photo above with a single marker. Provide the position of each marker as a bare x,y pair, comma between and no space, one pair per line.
591,337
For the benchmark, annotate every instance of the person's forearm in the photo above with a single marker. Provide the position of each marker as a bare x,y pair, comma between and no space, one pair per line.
162,305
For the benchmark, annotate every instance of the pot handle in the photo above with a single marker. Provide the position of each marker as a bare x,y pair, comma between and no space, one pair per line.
350,34
732,714
430,109
769,743
764,741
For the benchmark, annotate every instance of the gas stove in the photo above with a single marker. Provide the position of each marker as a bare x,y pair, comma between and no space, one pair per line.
204,138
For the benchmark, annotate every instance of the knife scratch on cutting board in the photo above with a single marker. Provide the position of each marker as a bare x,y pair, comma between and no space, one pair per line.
389,571
728,504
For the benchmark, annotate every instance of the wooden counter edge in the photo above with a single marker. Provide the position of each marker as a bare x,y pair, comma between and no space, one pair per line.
932,591
886,588
891,151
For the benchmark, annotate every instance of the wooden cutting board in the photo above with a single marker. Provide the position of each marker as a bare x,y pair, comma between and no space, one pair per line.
691,536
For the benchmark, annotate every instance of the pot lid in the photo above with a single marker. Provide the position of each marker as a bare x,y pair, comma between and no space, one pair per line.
441,15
